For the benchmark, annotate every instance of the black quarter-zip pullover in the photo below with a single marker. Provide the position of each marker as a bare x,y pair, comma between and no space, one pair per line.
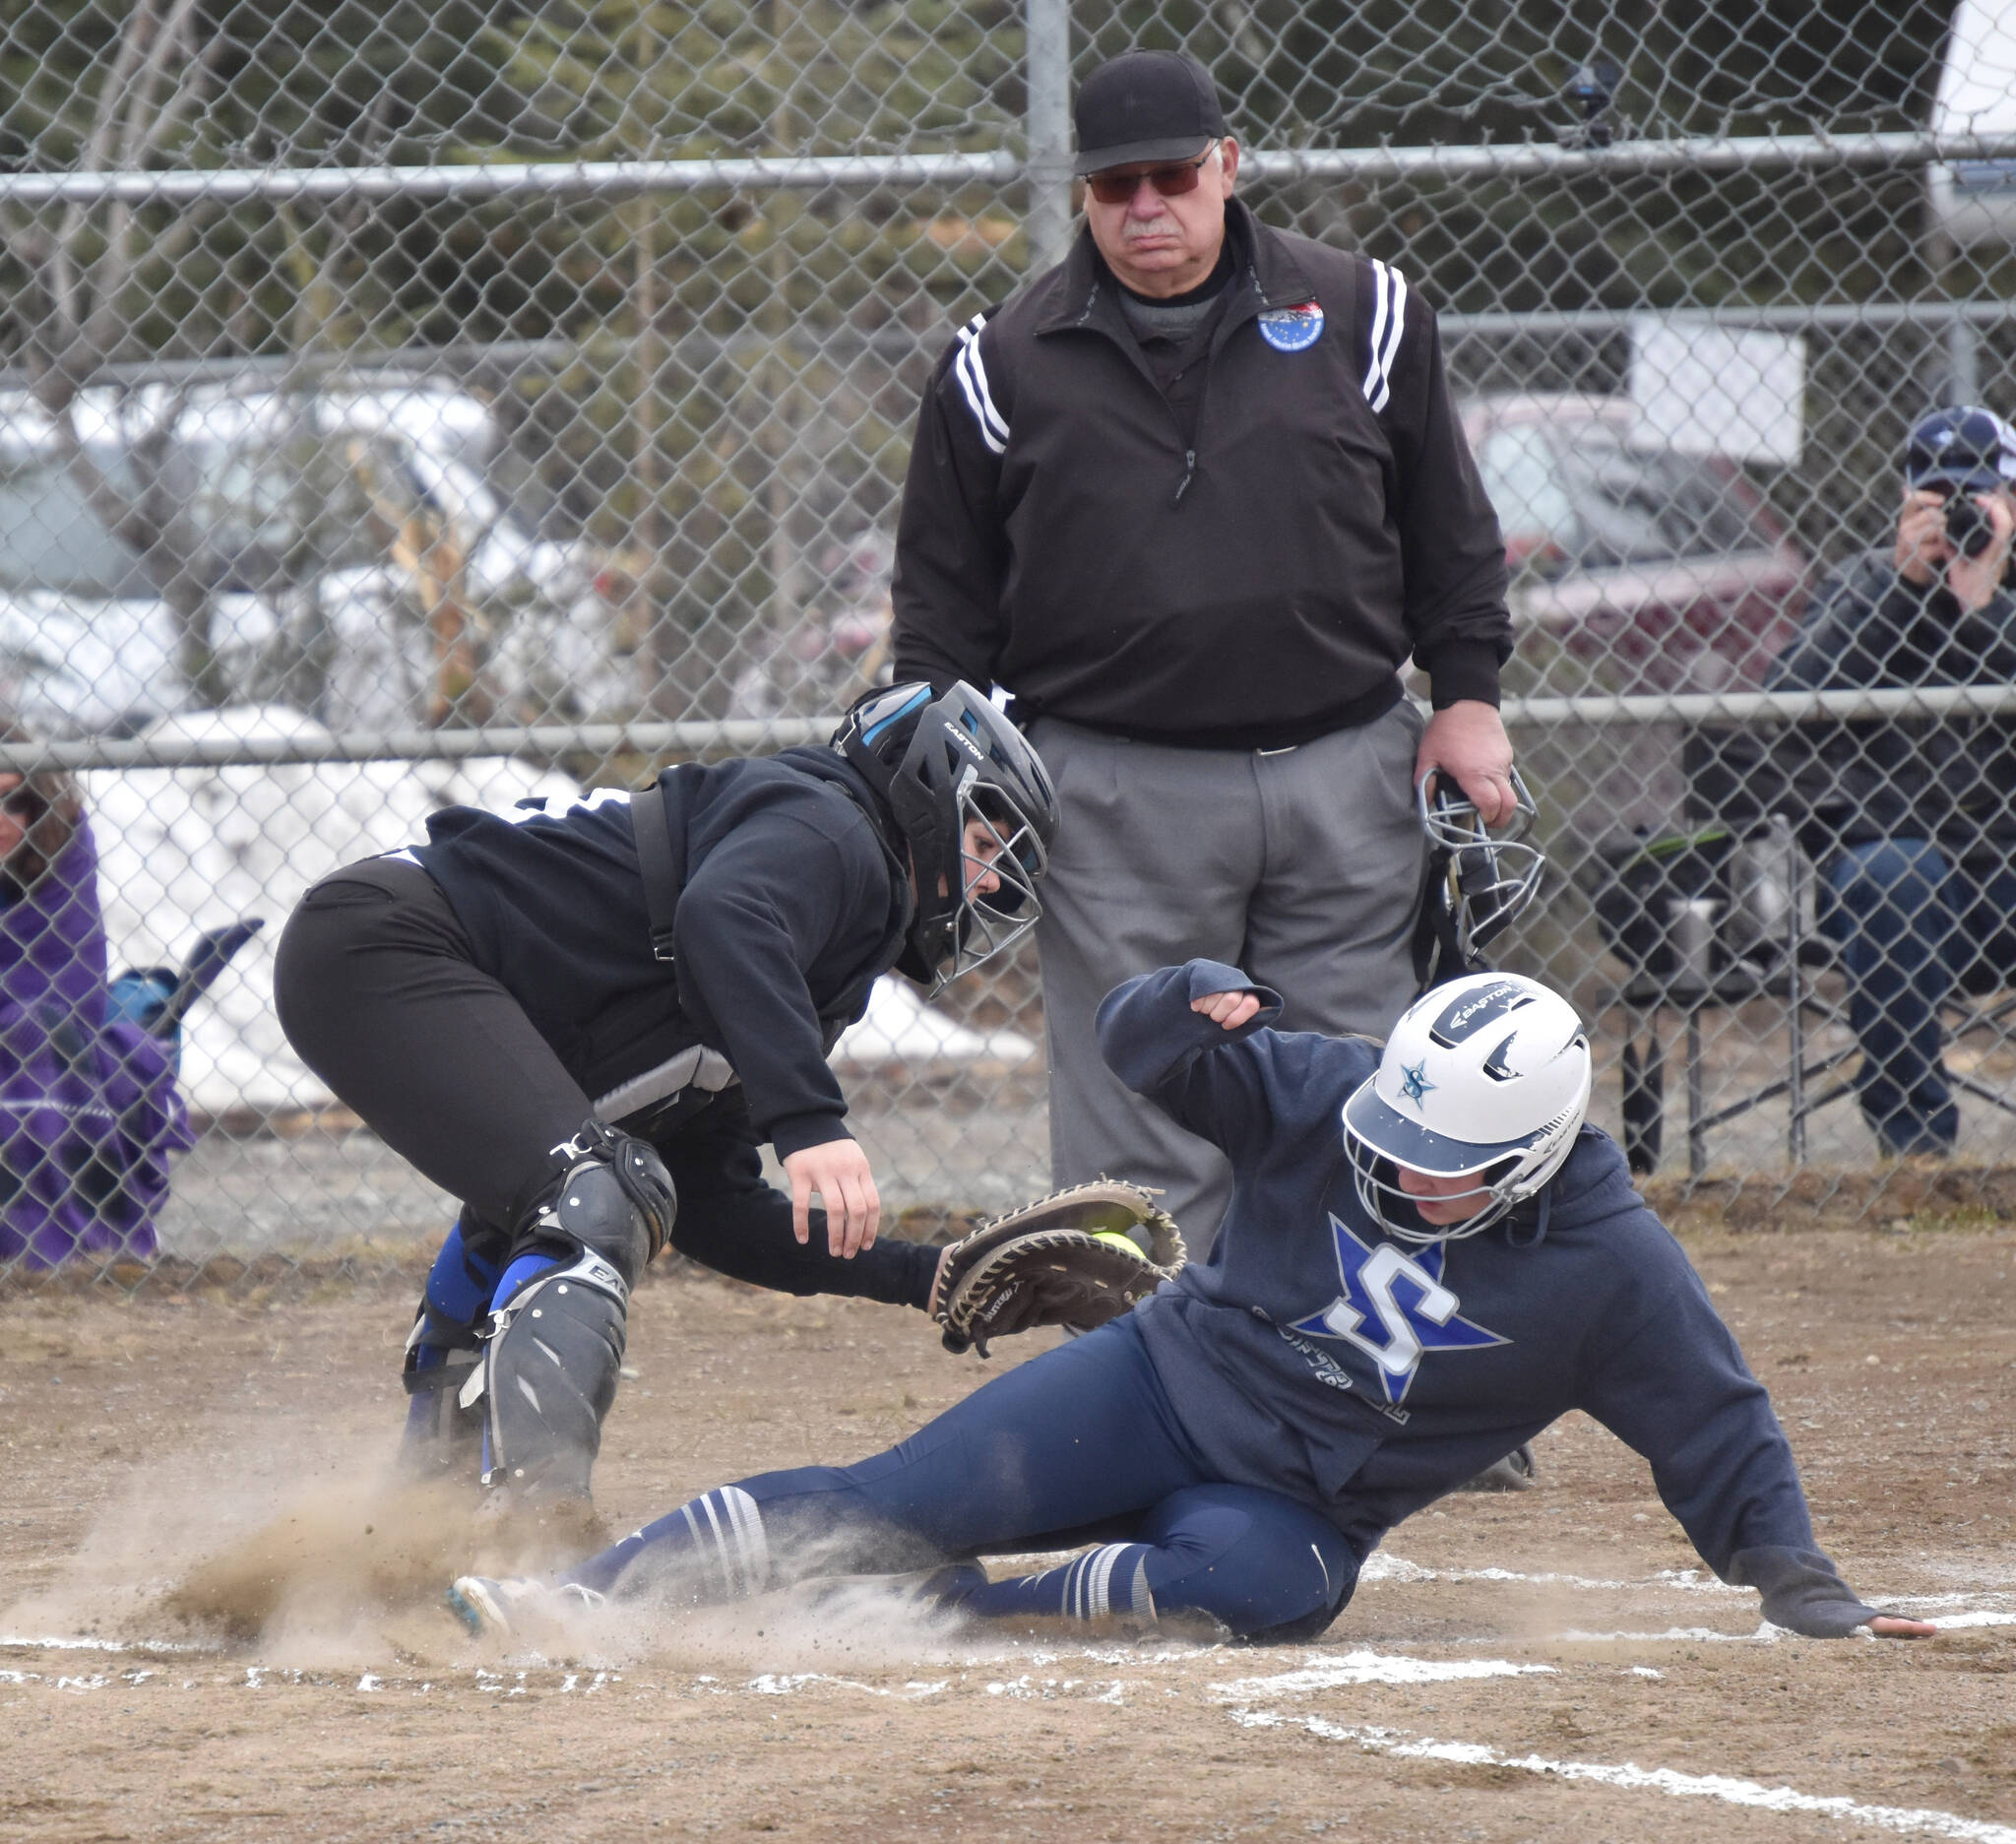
1250,574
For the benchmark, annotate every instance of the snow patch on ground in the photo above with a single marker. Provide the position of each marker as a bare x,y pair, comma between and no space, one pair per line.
900,1028
183,849
188,849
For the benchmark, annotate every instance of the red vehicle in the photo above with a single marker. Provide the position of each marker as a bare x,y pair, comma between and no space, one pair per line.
1660,571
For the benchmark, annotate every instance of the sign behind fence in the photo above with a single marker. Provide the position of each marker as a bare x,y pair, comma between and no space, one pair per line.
1708,390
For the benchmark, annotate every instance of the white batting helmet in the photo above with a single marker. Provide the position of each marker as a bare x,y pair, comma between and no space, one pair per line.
1487,1076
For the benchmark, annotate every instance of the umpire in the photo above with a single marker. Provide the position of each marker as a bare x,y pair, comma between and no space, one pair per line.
1193,497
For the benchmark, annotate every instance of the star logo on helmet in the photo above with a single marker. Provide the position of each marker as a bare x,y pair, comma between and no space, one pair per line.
1413,1081
1402,1299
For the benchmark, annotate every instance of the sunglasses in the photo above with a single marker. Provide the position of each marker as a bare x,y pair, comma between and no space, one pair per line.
1170,182
23,803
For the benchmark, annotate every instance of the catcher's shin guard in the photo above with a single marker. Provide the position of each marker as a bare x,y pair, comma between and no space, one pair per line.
555,1342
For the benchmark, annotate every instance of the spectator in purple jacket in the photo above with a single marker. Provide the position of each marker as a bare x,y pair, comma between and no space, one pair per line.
88,1108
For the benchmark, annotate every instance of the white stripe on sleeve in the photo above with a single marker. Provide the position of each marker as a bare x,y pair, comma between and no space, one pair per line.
1389,323
971,372
1371,383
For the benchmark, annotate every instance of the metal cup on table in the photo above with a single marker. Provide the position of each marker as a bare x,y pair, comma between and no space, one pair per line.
1691,935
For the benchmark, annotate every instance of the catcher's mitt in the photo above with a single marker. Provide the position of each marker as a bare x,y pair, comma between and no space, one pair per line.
1077,1257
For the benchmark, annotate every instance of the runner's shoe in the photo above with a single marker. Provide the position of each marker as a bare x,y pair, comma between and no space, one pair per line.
497,1607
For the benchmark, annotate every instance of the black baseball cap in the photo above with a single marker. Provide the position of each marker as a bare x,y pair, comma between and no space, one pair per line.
1145,105
1970,448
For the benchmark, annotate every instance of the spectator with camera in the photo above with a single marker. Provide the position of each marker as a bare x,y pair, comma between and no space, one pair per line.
1912,820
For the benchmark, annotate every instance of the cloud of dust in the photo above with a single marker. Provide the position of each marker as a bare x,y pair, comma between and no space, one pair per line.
304,1549
308,1553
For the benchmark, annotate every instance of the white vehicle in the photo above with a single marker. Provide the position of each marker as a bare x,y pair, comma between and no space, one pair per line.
340,546
1976,202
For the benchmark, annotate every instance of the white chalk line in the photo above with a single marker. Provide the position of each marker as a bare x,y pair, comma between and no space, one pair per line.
1968,1608
18,1642
1765,1634
1354,1668
1902,1820
1380,1567
786,1683
1322,1671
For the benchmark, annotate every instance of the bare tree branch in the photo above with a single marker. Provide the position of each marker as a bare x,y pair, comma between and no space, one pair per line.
66,281
81,325
147,120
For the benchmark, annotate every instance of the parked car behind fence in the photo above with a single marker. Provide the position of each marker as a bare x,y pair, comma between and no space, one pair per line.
334,549
1658,571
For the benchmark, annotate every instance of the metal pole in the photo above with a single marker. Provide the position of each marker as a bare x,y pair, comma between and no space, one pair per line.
743,735
1796,994
1745,707
1049,133
1698,1132
604,179
221,750
1963,362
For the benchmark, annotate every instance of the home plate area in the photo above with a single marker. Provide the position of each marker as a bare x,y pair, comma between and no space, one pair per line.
1552,1664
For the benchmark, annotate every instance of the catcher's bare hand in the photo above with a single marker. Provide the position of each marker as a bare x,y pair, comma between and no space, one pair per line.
1229,1009
838,1171
1888,1627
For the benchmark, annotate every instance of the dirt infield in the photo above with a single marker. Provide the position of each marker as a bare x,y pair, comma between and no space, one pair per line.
1550,1665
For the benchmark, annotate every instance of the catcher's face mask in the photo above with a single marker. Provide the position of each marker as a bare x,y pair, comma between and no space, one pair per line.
1480,882
976,806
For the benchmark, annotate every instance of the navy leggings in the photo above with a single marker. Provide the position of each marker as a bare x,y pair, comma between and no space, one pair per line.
1075,1446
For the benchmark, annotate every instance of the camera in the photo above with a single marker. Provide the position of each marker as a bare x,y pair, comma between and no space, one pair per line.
1969,529
1595,87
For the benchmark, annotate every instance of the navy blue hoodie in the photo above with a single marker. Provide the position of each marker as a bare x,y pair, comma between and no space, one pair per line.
1315,1356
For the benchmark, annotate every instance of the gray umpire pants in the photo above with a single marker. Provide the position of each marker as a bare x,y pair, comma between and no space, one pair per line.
1303,866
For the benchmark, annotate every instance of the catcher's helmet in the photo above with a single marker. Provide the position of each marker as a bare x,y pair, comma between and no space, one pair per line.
1487,1077
942,761
1478,884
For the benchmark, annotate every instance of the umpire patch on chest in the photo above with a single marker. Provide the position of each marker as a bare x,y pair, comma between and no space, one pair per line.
1292,329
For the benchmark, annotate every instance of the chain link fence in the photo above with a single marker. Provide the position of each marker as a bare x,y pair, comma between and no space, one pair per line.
411,405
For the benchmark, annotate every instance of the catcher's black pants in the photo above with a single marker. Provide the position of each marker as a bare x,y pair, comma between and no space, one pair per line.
377,989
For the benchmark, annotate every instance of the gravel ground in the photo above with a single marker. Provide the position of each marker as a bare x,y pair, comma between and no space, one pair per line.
1548,1666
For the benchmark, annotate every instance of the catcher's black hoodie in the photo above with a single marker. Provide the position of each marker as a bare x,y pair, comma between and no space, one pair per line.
793,903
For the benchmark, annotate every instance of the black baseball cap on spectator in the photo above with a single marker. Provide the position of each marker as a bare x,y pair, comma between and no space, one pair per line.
1968,448
1145,105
